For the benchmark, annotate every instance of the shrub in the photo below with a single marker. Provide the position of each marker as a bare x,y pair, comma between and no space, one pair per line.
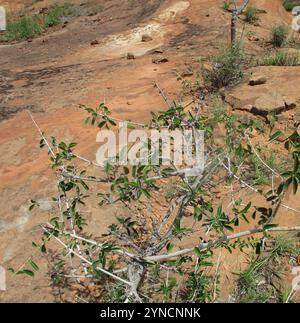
226,5
279,35
141,245
26,27
290,4
281,59
31,26
55,14
251,14
226,69
256,284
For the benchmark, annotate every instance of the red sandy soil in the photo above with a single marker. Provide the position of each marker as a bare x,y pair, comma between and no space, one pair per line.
53,73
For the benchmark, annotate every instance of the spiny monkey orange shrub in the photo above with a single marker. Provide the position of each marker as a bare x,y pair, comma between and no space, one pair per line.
139,259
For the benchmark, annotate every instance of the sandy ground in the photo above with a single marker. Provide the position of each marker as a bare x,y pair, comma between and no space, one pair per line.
53,73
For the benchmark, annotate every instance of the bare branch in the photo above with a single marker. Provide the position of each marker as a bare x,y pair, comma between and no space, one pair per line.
217,242
87,261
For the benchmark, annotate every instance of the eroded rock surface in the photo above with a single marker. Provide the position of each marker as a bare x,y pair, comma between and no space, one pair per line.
279,93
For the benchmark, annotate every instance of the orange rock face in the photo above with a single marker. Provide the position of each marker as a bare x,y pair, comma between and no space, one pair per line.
55,72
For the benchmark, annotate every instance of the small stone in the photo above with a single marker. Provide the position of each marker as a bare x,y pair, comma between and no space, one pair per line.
94,42
130,56
258,80
187,72
159,60
146,38
253,38
157,51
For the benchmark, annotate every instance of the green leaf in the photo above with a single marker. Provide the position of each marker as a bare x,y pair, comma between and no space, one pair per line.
26,272
43,248
84,185
295,184
197,252
170,247
33,265
269,226
296,164
146,193
101,124
275,136
31,207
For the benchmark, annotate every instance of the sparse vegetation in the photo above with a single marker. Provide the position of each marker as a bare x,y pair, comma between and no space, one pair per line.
226,5
259,282
31,26
56,13
290,4
24,28
172,229
279,35
251,14
226,68
281,58
128,243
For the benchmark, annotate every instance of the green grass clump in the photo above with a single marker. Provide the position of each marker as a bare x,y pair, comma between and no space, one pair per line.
56,13
264,271
226,68
251,14
31,26
24,28
290,4
280,58
226,5
279,35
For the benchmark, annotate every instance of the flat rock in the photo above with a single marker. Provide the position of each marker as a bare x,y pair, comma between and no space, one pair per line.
277,95
159,60
257,80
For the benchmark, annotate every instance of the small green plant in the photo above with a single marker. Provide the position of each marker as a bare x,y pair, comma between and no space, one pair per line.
24,28
226,5
167,287
256,283
56,13
258,173
31,26
279,35
290,4
280,58
251,14
226,69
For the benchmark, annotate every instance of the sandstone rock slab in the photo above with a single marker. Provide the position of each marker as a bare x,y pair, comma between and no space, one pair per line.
280,93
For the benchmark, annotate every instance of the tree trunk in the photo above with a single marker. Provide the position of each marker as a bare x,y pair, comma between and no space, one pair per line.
233,26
